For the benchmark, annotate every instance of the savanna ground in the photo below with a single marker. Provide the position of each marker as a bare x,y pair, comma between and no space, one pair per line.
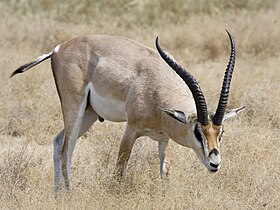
194,33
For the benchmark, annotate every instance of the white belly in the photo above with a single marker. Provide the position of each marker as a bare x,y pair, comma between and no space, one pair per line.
108,108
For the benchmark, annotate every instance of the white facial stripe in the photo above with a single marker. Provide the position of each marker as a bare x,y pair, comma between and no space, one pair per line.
220,134
221,130
205,145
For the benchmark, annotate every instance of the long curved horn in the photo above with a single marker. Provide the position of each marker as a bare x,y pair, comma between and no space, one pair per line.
220,111
201,107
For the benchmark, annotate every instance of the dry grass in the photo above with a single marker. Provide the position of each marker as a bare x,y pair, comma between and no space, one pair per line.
193,31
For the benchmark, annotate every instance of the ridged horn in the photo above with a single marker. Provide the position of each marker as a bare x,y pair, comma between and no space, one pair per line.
201,107
221,108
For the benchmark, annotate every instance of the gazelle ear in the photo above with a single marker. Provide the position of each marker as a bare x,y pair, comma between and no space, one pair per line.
232,113
178,115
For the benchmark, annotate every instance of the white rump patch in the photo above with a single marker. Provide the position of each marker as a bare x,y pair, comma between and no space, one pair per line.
56,49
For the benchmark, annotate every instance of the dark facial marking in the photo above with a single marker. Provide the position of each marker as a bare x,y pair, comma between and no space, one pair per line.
198,135
220,137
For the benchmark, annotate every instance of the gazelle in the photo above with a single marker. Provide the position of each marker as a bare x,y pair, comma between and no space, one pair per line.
118,79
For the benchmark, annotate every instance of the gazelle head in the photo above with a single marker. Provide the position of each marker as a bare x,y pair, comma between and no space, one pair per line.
207,127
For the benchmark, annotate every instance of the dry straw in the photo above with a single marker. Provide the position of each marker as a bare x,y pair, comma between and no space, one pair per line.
193,32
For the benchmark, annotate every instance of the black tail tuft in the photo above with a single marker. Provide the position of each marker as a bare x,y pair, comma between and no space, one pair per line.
23,68
27,66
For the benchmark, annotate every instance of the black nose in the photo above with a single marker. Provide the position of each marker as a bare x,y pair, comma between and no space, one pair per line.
214,151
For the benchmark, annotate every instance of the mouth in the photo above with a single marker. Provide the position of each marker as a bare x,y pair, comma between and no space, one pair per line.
212,170
214,162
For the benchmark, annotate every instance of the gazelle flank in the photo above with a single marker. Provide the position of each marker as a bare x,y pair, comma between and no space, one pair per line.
120,80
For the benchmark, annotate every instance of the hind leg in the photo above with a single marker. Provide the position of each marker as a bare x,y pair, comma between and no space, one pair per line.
77,119
57,144
89,118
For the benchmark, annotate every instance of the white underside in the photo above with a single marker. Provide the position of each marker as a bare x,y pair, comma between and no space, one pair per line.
106,107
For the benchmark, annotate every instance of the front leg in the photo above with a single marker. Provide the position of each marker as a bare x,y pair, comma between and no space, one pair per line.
164,164
127,143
